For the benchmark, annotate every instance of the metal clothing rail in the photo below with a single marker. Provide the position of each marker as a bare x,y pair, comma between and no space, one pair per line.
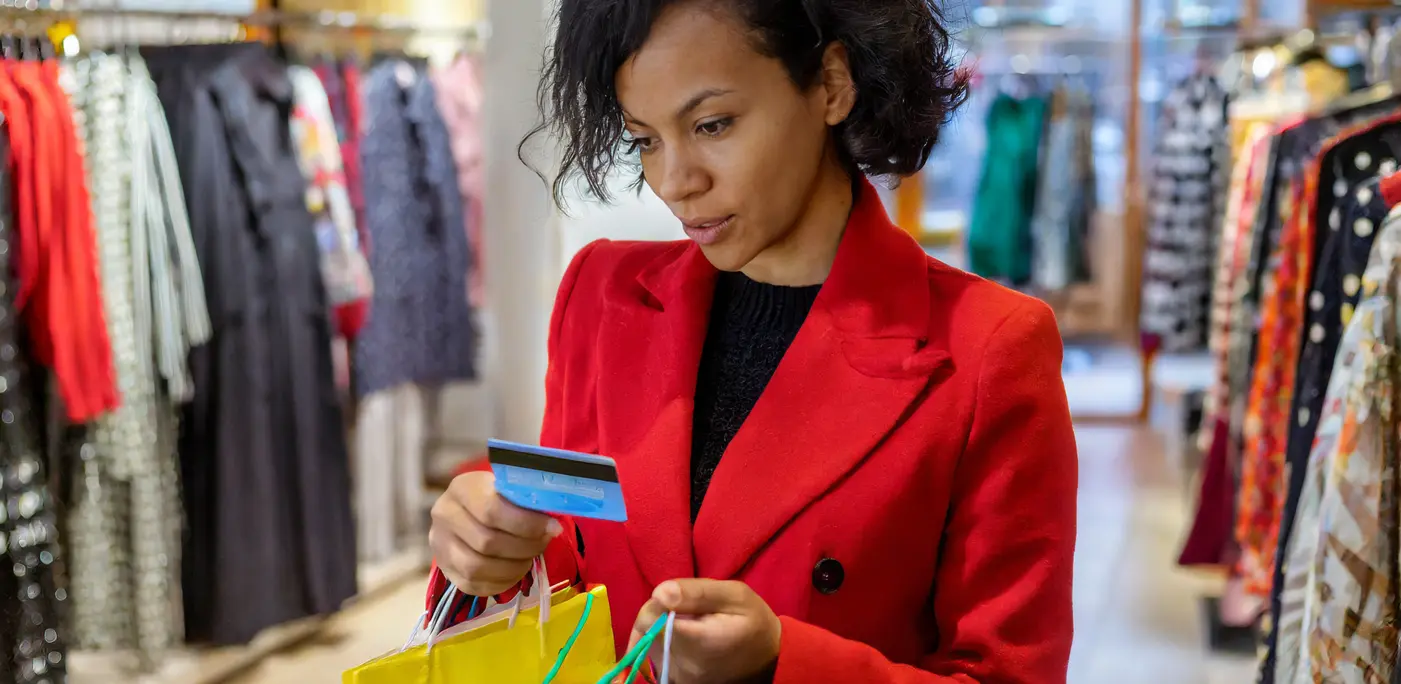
329,21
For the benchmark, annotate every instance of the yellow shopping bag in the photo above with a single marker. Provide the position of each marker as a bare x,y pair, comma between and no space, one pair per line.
492,649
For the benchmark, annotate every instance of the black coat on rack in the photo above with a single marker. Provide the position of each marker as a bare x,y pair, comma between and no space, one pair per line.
263,454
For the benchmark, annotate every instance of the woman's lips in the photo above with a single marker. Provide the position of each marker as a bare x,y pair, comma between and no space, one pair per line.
707,232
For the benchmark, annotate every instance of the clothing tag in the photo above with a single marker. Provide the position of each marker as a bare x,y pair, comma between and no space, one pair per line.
542,589
556,481
405,74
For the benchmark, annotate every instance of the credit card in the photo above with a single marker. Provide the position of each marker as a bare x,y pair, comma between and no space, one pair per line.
557,481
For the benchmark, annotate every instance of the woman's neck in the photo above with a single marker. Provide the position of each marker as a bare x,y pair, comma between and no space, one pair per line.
805,255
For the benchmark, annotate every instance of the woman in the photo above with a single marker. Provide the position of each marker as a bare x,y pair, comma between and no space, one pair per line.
844,461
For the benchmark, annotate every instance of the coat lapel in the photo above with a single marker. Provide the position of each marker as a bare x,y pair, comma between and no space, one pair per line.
651,347
860,360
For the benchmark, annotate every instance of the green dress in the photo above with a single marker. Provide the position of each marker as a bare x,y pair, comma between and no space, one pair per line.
999,235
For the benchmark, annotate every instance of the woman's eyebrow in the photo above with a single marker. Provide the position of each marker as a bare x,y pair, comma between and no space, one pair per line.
698,99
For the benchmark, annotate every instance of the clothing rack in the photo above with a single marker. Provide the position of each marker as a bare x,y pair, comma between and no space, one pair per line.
1250,35
56,18
271,19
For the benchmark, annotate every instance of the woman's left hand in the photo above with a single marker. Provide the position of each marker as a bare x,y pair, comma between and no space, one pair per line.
724,633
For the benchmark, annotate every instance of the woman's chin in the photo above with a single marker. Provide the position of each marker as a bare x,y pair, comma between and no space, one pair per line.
725,257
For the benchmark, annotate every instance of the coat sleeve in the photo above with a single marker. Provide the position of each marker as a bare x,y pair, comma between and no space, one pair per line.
563,558
1002,600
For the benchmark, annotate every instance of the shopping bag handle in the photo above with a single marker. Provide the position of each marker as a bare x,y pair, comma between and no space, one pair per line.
636,657
449,595
438,617
665,677
542,589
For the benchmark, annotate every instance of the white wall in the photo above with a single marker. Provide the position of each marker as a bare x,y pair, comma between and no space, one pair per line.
527,242
520,245
630,216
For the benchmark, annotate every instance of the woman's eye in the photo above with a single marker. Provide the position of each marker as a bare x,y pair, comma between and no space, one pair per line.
714,128
639,143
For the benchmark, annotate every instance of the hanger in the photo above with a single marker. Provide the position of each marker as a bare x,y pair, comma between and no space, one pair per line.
123,37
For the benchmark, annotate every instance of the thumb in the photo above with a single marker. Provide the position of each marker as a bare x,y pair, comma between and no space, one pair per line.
699,596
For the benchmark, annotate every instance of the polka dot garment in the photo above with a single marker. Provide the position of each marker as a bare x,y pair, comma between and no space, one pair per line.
420,328
1331,302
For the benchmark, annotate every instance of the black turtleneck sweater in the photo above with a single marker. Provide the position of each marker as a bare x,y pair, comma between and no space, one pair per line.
751,326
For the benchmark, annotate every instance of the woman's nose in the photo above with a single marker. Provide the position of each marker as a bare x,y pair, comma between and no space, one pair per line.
681,177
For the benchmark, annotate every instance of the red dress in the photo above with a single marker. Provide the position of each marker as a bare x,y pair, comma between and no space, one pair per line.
902,495
59,297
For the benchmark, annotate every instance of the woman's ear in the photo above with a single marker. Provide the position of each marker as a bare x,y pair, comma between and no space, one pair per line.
837,83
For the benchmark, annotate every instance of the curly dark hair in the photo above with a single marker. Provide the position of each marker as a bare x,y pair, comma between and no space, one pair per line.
900,52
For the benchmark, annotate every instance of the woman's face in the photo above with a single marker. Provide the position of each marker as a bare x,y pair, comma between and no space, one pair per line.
726,139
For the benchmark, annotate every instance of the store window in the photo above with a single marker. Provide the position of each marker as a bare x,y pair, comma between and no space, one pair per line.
1041,43
1086,40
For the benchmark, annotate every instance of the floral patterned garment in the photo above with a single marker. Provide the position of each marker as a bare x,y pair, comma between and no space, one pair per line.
1261,493
1339,408
1357,391
1349,619
344,269
1245,296
343,265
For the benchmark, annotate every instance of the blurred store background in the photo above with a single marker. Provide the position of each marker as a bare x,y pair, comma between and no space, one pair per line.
1199,189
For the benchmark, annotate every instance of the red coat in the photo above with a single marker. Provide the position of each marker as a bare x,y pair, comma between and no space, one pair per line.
902,495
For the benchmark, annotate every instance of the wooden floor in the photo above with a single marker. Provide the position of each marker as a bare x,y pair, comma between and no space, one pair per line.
1137,616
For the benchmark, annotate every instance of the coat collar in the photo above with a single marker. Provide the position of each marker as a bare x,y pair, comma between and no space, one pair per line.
875,261
866,337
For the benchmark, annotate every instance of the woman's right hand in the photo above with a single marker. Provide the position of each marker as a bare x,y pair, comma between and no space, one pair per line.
483,543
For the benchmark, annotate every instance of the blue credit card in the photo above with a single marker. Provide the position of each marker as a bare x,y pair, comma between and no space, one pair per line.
557,481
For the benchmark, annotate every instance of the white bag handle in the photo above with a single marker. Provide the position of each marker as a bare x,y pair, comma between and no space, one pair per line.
431,616
665,677
436,619
542,589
